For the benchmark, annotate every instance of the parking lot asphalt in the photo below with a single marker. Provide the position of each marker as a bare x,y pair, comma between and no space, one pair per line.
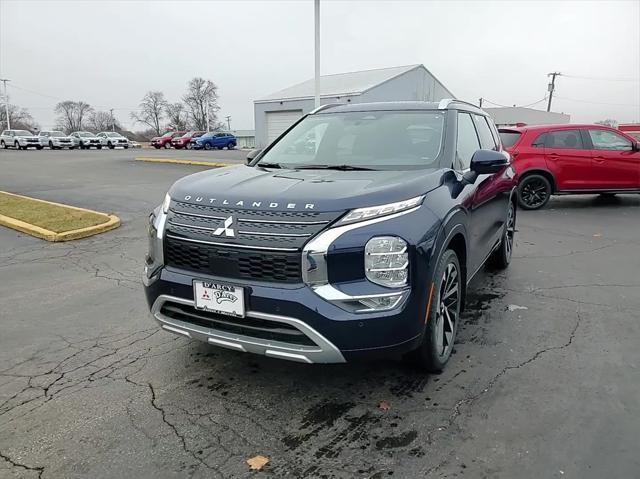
544,381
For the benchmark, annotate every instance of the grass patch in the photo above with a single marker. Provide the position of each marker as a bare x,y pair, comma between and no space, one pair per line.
49,216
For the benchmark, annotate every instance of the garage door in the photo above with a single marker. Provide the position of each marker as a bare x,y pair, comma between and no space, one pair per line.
278,121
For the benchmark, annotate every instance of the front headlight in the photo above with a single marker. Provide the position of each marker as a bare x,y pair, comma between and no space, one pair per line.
386,261
362,214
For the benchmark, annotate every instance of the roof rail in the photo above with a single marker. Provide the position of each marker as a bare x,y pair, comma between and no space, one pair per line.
324,107
444,103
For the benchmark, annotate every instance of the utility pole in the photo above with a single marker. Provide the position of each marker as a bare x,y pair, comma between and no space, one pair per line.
552,87
6,102
317,52
480,102
228,122
113,121
207,118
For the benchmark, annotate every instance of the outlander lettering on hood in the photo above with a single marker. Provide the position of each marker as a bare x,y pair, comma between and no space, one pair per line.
247,204
354,234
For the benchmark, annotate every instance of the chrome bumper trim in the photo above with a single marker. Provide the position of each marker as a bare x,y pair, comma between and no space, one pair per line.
323,352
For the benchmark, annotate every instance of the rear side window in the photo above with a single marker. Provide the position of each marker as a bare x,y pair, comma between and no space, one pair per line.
607,140
539,141
486,138
564,139
467,143
509,138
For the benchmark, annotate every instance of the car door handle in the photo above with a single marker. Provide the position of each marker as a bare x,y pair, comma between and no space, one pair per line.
553,156
599,159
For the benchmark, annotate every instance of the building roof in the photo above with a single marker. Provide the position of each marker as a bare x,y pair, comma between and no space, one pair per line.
411,105
518,114
341,84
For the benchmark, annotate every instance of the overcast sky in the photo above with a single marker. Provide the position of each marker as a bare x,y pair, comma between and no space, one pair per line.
109,53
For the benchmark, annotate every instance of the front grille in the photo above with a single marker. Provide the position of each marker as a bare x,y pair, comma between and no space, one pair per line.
229,263
251,327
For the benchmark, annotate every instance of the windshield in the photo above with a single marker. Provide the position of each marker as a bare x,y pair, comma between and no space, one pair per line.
85,134
385,140
22,133
57,134
114,135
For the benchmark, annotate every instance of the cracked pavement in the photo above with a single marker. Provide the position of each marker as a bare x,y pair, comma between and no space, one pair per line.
89,387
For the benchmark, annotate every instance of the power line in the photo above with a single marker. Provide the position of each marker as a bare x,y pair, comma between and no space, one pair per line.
598,102
579,77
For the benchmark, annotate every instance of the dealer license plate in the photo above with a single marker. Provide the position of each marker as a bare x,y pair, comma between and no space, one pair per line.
219,298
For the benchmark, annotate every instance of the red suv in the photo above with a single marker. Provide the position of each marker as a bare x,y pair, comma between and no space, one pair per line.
164,141
183,141
571,159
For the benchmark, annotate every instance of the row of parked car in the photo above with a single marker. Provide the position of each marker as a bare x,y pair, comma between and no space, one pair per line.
56,140
196,140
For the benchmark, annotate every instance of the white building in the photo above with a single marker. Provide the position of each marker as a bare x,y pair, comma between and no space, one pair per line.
510,116
276,112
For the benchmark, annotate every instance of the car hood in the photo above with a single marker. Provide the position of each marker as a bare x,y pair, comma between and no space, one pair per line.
243,186
26,137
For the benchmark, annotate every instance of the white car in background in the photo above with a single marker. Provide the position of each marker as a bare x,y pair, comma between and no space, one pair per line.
111,139
85,140
56,140
19,139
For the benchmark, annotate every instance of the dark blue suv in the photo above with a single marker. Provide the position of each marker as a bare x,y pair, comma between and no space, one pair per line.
355,233
213,140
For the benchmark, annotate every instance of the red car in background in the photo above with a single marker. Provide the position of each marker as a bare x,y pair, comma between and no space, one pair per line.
571,159
164,141
179,142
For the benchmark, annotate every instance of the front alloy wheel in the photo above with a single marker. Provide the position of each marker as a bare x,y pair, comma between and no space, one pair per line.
443,315
501,257
534,192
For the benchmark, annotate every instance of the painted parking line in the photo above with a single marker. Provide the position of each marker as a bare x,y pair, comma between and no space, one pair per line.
184,161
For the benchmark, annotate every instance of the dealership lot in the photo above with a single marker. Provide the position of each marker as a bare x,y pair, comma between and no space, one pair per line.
544,381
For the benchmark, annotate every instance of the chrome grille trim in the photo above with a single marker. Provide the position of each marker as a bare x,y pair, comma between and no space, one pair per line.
285,235
249,220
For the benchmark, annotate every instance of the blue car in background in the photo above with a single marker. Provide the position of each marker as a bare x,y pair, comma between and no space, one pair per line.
213,140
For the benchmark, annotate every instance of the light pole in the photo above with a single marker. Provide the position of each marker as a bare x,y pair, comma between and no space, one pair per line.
207,118
113,122
317,52
6,102
552,87
228,122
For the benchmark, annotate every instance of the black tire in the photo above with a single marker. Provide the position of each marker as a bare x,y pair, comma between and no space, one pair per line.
126,147
111,147
607,195
501,257
157,147
231,146
39,147
534,192
440,329
207,146
16,145
3,145
167,145
99,147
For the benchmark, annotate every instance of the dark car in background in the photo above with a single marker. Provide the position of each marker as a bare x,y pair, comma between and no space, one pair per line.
183,141
164,141
215,140
360,244
571,159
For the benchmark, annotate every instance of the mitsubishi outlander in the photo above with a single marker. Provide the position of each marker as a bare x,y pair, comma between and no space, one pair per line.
355,233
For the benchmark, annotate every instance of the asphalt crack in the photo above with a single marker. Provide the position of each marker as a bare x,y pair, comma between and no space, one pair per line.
38,469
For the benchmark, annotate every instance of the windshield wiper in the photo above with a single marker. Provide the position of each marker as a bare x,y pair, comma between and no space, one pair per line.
269,165
334,167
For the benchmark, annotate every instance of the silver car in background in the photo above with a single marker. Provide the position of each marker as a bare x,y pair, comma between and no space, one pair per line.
111,139
85,140
19,139
56,140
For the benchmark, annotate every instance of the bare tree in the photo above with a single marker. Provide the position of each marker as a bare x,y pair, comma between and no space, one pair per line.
177,116
102,121
71,114
608,122
20,118
201,99
152,110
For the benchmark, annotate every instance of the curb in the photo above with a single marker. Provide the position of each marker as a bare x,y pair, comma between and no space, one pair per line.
182,162
112,223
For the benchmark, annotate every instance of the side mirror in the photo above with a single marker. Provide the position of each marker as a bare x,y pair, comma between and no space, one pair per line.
486,162
635,146
252,155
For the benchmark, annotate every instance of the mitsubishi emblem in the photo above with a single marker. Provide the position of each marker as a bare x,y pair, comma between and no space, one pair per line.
226,229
